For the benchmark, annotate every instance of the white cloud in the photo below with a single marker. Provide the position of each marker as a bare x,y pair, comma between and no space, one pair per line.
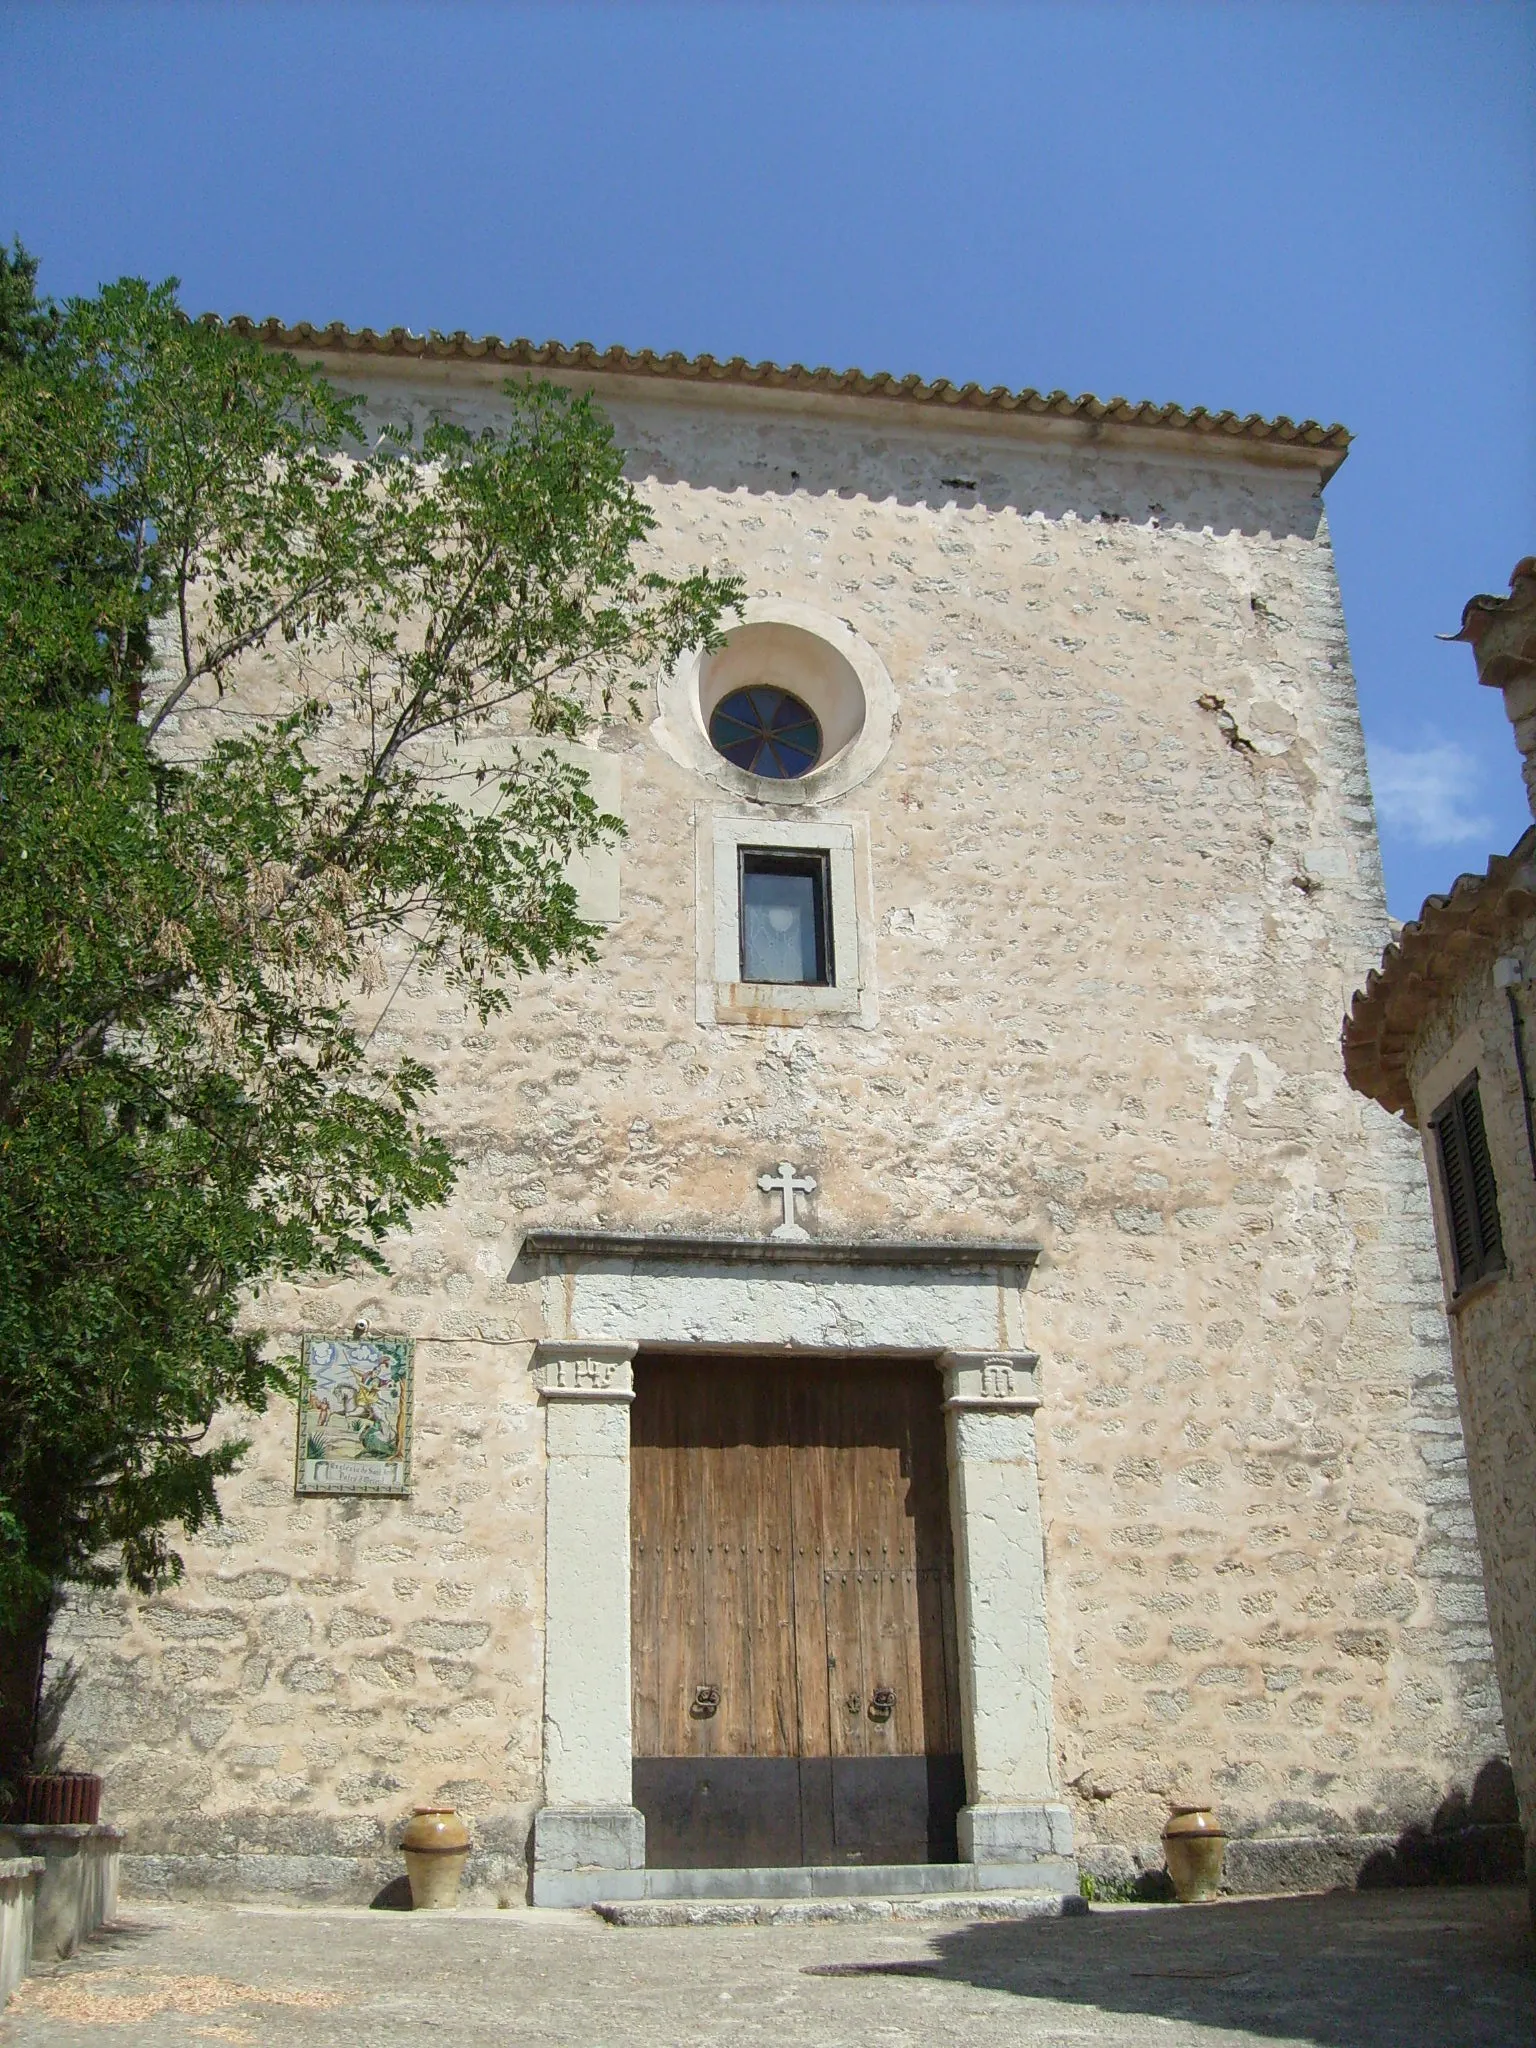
1429,794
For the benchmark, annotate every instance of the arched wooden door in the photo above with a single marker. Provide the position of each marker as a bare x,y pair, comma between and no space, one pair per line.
795,1676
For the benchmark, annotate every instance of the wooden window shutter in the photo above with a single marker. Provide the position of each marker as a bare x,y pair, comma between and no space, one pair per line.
1485,1195
1467,1183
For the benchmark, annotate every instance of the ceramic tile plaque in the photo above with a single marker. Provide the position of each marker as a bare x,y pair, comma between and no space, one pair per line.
355,1415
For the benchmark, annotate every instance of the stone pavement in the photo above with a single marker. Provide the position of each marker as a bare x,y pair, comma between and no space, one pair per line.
1407,1969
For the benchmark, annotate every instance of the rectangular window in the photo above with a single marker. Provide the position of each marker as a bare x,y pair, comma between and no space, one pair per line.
1466,1182
786,918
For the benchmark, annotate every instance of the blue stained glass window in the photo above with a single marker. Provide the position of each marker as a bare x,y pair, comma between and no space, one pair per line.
767,732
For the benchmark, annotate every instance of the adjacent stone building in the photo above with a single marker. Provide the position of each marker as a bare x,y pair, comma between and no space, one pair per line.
1439,1034
927,1360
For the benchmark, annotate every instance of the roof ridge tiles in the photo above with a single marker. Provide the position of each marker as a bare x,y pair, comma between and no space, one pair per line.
880,384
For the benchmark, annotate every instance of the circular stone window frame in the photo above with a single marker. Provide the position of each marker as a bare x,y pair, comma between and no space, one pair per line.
682,733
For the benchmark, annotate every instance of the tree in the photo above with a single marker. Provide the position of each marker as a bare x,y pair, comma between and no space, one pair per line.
188,1106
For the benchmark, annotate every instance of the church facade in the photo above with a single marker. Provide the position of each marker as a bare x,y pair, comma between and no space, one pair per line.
927,1363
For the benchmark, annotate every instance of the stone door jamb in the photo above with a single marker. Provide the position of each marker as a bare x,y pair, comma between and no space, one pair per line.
589,1838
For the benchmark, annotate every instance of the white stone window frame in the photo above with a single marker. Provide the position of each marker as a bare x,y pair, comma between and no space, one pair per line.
723,997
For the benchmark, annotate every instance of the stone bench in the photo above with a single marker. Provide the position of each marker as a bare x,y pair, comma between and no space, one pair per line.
19,1880
77,1888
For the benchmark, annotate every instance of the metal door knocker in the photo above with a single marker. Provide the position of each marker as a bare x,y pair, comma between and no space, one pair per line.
706,1698
882,1703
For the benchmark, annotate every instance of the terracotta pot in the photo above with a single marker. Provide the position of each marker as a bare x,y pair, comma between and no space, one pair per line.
60,1799
1193,1848
436,1846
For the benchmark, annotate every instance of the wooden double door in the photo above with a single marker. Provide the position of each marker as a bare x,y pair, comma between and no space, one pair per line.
795,1676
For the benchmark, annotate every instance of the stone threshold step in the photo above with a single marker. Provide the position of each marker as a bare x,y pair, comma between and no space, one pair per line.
802,1912
589,1887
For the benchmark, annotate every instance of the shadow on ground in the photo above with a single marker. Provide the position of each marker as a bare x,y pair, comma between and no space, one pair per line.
1340,1971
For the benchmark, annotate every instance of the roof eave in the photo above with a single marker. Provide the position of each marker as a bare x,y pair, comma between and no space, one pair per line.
1281,441
1453,937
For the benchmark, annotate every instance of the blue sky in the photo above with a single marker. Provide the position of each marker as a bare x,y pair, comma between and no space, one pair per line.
1326,210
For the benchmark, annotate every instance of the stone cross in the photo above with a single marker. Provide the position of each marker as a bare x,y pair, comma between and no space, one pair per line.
786,1183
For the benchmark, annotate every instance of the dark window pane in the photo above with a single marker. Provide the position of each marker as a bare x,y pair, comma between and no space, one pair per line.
784,919
730,731
801,734
743,753
795,760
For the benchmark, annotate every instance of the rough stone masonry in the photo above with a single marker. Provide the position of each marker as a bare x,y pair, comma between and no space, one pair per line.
1113,877
1448,1007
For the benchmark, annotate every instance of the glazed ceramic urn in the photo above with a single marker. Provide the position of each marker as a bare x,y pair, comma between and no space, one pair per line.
436,1846
1193,1848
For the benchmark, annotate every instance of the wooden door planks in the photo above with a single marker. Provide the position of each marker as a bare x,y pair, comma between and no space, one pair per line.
791,1548
791,1552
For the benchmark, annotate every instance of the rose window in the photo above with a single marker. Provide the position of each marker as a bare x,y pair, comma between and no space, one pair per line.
767,731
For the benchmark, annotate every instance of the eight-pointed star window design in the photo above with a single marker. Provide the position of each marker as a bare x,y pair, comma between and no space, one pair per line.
766,731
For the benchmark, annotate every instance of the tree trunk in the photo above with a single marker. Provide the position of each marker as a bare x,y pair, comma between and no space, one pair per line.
23,1654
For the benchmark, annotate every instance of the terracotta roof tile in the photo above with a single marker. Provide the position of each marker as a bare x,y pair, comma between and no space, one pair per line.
1452,937
912,390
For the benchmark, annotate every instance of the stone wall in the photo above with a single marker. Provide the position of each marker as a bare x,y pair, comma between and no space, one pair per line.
1124,878
1493,1342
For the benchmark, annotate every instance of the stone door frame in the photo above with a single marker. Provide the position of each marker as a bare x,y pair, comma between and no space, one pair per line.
605,1296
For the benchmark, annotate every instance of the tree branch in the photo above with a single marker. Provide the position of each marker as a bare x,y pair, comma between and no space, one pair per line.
158,984
226,652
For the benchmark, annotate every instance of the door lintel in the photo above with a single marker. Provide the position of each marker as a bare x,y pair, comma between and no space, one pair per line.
592,1247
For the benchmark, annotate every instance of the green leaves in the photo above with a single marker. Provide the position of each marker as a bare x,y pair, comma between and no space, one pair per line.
254,651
